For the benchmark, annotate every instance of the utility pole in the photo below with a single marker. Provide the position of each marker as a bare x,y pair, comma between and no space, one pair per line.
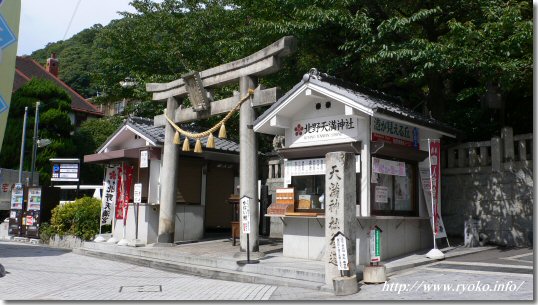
22,143
34,145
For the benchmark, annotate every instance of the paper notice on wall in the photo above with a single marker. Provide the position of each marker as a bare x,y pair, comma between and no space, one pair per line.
388,167
381,194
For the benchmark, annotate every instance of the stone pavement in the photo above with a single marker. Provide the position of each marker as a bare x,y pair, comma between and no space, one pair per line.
43,273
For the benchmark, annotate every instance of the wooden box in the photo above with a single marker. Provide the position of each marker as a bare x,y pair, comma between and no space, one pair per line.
285,195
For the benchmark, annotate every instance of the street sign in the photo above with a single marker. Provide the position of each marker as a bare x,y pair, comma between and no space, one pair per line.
65,170
341,252
245,214
143,159
138,193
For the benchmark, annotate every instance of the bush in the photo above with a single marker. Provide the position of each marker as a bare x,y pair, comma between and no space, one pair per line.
46,232
79,218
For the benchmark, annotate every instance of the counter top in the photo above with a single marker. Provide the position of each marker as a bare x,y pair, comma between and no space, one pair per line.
358,217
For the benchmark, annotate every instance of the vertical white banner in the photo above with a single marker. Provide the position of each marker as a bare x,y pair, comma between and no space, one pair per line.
109,195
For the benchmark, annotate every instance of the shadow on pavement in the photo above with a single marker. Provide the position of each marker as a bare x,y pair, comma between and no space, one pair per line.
12,249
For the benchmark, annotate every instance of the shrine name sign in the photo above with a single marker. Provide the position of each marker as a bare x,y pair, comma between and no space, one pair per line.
322,131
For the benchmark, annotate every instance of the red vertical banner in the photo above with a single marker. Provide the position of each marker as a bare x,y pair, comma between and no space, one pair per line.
119,194
435,175
128,170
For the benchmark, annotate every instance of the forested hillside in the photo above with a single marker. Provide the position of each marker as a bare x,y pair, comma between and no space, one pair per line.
468,63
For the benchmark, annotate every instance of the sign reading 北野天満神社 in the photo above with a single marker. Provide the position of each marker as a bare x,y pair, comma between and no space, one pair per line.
396,133
322,131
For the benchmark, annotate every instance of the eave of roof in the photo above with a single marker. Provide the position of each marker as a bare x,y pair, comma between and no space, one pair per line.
146,129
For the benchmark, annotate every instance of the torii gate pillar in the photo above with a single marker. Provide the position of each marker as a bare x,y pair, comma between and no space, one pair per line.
168,181
248,163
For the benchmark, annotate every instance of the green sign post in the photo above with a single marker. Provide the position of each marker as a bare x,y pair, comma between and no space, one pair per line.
375,244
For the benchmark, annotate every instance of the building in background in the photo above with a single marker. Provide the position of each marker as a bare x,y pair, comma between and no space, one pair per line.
26,68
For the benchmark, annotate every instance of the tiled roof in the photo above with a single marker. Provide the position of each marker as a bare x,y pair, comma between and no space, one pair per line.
146,127
377,101
27,68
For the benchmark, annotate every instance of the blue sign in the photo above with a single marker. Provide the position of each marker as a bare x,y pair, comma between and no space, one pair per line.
3,105
6,35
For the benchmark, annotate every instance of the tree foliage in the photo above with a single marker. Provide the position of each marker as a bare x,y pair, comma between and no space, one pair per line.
447,58
55,125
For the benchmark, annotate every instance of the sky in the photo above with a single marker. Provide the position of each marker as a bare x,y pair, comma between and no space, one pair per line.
44,21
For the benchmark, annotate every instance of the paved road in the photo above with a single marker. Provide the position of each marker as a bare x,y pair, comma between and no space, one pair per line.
43,273
499,274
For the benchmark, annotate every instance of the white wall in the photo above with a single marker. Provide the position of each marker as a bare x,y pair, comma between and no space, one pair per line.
304,237
147,224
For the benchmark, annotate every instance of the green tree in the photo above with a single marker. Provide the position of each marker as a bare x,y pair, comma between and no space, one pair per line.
54,125
444,57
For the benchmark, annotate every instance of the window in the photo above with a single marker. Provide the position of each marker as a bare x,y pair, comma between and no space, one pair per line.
310,191
393,194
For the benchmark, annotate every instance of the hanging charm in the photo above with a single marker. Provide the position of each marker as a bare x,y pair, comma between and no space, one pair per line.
210,141
222,131
198,146
186,145
176,138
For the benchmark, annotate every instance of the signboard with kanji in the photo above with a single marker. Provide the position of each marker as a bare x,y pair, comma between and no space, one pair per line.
109,195
245,214
321,131
341,252
394,132
138,193
143,159
375,245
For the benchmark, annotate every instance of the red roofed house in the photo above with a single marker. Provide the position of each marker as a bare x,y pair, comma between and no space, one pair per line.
26,68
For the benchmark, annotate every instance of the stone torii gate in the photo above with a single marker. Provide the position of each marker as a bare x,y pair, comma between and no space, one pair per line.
198,88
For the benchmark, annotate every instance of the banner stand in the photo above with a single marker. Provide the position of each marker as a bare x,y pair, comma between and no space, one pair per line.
434,170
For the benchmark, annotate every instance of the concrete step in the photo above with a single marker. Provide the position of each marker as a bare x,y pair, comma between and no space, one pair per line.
296,272
204,271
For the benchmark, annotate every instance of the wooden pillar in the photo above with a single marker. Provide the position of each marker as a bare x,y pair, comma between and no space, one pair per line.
248,163
168,180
